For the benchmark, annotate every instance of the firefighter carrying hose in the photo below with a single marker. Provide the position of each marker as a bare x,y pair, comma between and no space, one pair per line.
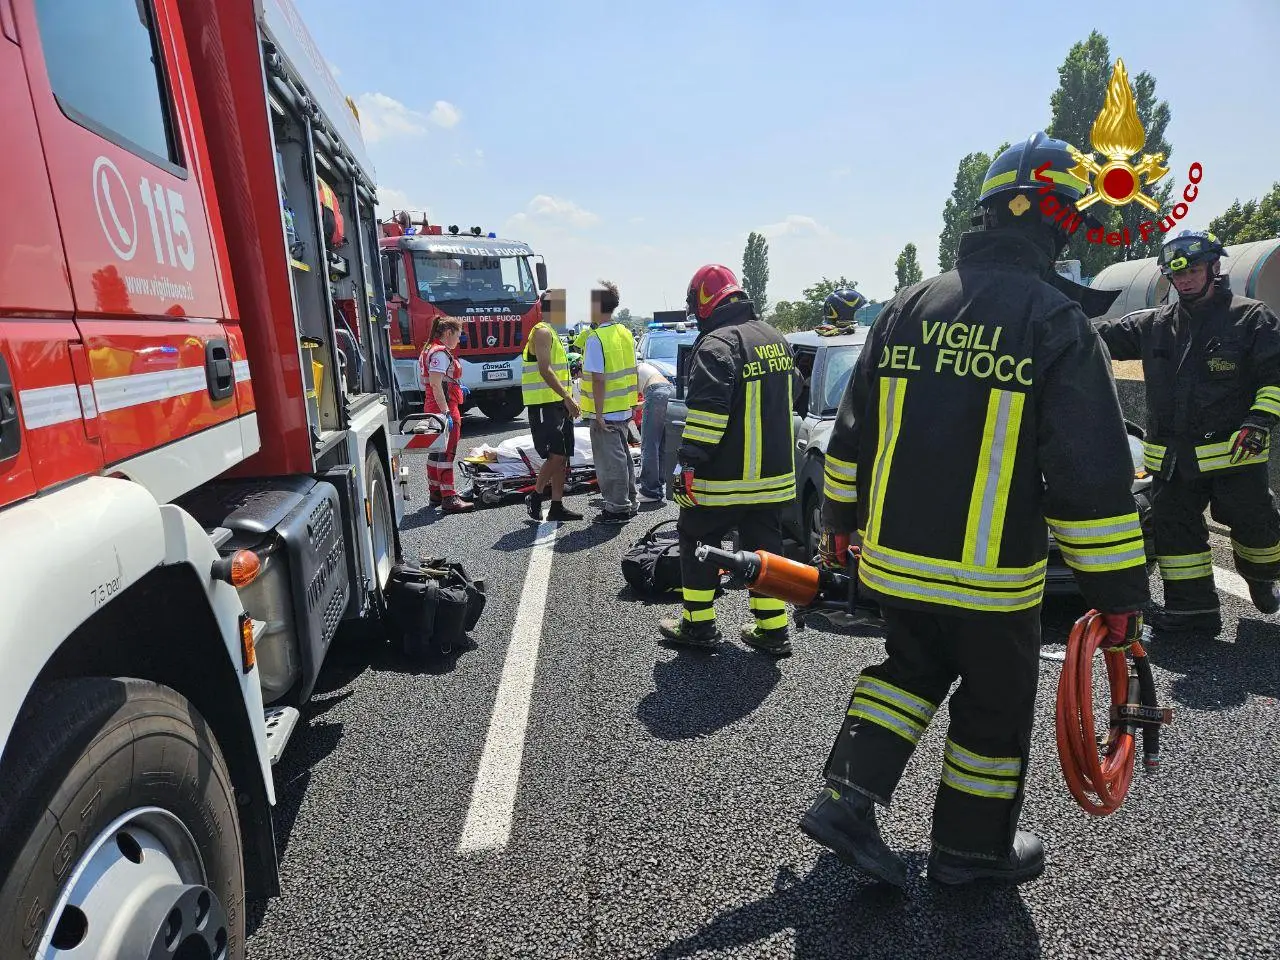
1211,361
736,462
981,410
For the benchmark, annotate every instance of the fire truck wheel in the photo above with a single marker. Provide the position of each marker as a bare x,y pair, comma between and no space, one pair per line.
501,406
382,535
118,827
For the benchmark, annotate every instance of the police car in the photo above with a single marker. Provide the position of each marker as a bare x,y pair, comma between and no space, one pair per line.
825,364
660,345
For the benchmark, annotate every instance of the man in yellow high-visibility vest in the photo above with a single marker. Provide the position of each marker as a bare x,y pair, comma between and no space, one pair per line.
548,395
608,401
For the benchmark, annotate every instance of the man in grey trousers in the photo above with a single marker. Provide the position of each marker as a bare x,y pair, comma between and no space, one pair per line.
609,396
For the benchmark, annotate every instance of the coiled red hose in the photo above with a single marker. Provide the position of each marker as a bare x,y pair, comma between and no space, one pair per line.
1099,781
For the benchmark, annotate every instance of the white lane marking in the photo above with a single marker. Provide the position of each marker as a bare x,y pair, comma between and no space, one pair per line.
1231,582
493,797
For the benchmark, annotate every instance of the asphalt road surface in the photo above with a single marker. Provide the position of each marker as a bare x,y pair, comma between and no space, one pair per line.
567,787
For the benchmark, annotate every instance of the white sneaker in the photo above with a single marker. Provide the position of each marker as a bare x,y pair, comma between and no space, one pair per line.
647,498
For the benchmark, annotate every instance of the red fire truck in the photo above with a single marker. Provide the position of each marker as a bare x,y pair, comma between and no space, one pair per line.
486,282
197,454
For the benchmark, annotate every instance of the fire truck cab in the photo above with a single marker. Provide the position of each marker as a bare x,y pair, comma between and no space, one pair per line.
197,449
496,287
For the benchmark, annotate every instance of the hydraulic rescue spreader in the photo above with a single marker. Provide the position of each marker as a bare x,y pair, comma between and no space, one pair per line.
1098,781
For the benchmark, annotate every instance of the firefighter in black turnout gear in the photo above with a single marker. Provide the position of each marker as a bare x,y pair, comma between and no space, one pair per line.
1211,361
736,461
981,414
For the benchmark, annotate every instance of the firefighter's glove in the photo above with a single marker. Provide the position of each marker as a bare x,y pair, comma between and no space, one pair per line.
682,486
833,550
1122,628
1250,440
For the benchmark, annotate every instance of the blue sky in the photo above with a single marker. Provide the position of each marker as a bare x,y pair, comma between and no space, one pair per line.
635,142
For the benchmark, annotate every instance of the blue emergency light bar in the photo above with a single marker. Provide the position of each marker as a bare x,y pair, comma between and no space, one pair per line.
679,327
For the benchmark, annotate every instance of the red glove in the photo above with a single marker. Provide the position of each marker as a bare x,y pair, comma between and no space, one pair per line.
1122,628
682,492
833,550
1249,441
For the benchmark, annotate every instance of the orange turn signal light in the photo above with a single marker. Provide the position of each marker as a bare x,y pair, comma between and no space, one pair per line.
240,569
248,654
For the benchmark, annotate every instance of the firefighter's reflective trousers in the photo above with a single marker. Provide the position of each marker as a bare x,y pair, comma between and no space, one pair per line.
1237,498
984,765
758,529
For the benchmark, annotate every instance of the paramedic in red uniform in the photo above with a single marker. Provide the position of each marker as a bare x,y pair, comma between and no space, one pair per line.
442,374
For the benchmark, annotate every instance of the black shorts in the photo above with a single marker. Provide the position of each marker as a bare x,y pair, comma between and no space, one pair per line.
552,429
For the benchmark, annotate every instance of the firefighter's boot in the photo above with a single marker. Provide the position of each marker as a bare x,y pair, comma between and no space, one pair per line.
1024,862
1184,621
777,643
1266,596
704,636
844,821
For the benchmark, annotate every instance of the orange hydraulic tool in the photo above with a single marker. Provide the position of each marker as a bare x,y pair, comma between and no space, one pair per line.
810,589
1101,783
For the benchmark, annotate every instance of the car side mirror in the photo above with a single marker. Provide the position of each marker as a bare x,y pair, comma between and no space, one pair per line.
540,269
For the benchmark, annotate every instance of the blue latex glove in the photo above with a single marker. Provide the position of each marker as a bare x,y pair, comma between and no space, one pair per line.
466,392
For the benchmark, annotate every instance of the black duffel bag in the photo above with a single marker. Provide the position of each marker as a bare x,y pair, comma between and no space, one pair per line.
433,603
651,566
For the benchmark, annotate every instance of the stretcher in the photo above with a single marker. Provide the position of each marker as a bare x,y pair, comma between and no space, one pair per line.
510,469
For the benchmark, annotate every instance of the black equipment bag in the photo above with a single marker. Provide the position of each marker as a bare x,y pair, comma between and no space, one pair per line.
652,565
433,603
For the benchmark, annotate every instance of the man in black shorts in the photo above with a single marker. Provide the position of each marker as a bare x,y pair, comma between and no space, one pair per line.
545,383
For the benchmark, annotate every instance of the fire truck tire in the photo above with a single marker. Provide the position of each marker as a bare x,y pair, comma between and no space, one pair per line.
501,406
383,533
118,827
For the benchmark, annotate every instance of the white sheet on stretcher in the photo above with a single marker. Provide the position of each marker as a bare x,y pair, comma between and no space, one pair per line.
510,464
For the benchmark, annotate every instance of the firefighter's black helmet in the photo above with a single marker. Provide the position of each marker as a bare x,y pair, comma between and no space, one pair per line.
1189,248
1015,170
842,306
1012,175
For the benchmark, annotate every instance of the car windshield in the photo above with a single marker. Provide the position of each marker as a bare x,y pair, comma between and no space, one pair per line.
665,346
835,376
446,276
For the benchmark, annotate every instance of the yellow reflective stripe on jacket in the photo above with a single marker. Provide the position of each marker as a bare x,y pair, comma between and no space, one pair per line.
727,493
1217,456
992,777
1102,545
964,596
622,383
1256,554
1153,456
893,392
1268,401
840,480
953,571
701,434
990,497
706,418
533,388
752,430
1187,566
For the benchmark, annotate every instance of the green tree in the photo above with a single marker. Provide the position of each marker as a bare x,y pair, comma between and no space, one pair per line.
755,270
1247,222
1082,91
958,210
907,267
